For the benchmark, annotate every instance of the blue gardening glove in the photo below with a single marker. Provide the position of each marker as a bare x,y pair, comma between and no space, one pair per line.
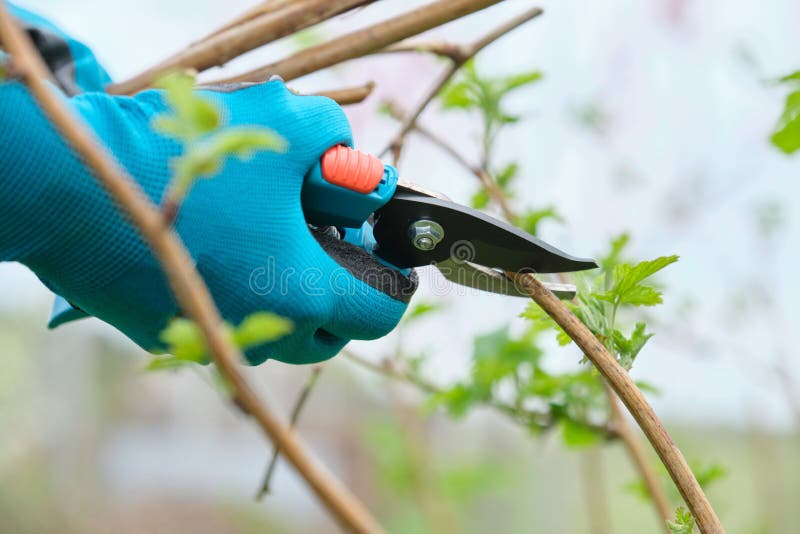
245,228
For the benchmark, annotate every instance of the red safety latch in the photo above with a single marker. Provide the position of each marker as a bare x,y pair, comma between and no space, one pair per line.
352,169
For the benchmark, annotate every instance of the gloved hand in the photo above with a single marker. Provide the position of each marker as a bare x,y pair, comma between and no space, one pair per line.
245,228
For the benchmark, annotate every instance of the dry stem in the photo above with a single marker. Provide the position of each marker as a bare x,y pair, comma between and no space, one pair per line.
189,288
622,384
365,41
218,49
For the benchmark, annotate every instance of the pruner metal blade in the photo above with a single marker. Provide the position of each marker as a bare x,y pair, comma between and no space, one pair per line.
415,228
476,276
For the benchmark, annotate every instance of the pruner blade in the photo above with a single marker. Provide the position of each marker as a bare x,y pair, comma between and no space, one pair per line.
485,279
416,228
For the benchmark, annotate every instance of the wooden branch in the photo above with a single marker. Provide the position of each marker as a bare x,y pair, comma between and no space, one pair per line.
622,384
300,403
221,48
458,56
365,41
639,458
349,95
189,288
264,8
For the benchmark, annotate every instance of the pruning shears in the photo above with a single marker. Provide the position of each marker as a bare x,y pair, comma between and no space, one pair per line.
413,227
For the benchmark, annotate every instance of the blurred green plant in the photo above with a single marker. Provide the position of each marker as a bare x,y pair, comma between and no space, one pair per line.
186,346
786,135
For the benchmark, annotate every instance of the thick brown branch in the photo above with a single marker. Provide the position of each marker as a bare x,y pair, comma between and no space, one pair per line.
639,458
264,8
349,95
189,288
458,56
622,384
365,41
221,48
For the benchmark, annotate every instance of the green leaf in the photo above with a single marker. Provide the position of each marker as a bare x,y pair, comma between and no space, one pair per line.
709,473
578,435
683,524
458,95
191,115
793,77
206,159
259,328
422,309
457,400
507,175
480,199
530,220
516,81
497,356
614,256
629,348
184,340
627,288
168,363
787,132
626,277
642,296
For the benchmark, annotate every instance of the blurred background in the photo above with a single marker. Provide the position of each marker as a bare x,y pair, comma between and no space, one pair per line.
652,118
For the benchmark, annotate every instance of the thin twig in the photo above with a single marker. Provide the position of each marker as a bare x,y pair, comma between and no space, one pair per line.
523,416
616,376
221,48
458,56
594,483
299,404
491,186
639,458
187,285
365,41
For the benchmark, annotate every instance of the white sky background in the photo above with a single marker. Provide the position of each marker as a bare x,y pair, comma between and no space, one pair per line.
683,164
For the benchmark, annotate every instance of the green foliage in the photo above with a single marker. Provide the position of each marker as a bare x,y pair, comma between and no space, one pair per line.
471,91
629,348
196,122
786,135
683,524
186,346
508,372
602,293
627,287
